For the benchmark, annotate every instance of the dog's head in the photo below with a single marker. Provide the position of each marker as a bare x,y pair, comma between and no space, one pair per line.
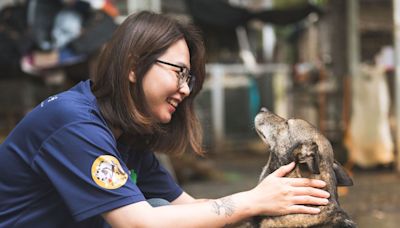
292,139
297,140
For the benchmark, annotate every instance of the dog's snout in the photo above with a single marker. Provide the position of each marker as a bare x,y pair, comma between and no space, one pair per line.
264,109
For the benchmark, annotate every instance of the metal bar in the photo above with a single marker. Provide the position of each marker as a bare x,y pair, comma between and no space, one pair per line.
218,106
353,49
396,15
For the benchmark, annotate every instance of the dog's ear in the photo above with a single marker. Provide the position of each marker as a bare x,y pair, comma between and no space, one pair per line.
306,156
342,178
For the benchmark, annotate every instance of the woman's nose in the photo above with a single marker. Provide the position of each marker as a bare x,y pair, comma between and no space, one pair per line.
184,89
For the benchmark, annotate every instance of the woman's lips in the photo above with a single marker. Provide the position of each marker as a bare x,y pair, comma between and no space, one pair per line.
173,104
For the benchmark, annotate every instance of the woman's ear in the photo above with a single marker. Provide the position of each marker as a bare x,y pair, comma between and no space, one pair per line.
132,77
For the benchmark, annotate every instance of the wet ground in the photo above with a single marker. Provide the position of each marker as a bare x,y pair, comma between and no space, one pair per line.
374,200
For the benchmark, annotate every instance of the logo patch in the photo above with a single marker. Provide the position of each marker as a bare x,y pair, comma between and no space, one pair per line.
108,173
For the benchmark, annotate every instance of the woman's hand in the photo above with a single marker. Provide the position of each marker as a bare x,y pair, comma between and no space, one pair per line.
279,195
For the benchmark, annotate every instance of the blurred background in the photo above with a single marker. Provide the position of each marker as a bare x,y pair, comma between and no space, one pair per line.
333,63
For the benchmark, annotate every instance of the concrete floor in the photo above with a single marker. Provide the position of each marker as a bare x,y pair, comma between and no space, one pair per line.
374,200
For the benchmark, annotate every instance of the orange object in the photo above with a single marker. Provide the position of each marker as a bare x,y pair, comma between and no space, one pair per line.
110,9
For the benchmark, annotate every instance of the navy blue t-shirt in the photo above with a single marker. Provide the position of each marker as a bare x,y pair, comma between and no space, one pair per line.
62,167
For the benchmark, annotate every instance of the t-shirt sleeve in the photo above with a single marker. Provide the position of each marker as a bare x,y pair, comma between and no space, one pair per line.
81,161
155,181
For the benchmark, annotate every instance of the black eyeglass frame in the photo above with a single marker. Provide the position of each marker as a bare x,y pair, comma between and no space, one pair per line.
184,74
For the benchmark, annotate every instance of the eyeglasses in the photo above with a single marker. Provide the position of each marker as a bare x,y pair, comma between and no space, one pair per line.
184,75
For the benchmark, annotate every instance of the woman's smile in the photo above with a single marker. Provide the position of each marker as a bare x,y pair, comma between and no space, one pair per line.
173,105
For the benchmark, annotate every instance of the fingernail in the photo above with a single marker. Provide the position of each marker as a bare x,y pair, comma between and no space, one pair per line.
327,195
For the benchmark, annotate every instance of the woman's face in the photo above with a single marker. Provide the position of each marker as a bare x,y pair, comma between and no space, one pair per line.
162,91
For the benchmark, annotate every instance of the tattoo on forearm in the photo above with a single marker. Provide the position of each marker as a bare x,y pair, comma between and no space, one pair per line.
225,204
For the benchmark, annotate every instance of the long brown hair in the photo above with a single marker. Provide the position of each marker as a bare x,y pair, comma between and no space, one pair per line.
135,46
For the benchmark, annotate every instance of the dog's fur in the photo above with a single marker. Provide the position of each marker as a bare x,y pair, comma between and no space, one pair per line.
297,140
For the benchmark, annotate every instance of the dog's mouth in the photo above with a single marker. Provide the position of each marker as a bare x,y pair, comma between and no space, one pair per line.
261,134
264,139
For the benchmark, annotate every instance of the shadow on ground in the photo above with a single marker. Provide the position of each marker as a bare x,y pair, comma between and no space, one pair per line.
374,200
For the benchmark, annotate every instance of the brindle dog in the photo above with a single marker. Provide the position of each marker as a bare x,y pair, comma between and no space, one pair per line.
297,140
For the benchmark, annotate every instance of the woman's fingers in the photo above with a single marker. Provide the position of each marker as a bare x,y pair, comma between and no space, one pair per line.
291,195
299,182
283,170
311,192
301,209
309,200
304,182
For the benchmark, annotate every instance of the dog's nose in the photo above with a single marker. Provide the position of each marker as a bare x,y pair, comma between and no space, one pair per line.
264,109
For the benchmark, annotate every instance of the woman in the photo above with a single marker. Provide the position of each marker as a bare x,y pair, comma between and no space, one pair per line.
84,157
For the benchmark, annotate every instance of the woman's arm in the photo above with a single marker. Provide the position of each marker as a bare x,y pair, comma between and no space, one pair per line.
213,213
185,198
275,195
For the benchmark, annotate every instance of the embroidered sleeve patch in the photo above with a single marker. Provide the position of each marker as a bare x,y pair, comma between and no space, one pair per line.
108,173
